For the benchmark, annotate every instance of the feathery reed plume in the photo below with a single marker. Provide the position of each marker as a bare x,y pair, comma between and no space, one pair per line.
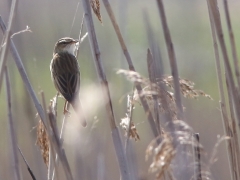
43,142
186,88
162,154
153,89
95,4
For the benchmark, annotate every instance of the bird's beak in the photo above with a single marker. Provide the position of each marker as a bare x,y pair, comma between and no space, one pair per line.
75,41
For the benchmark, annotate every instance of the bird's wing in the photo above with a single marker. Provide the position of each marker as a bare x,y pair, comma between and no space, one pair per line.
66,75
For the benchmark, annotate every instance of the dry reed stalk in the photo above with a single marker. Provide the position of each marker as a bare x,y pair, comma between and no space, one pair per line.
43,140
227,123
28,167
224,115
236,66
131,66
232,132
54,107
197,159
152,77
232,42
7,33
158,69
24,76
53,138
172,59
12,132
118,145
231,88
57,144
180,132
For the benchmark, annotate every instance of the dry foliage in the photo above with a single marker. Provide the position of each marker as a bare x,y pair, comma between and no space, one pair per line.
43,141
187,88
162,153
150,89
95,4
127,123
132,131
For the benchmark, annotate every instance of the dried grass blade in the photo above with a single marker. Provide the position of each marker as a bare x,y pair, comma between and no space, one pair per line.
118,145
226,121
24,76
172,59
12,132
4,52
28,167
131,66
232,42
231,88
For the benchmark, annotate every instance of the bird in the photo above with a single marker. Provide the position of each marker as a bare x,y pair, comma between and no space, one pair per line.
65,74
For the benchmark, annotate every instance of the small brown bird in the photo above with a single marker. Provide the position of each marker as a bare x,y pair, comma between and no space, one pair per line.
65,73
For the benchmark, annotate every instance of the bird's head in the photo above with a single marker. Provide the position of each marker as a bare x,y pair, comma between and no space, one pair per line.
66,45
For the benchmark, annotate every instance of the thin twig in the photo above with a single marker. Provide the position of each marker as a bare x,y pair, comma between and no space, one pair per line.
75,15
3,57
28,167
172,59
12,132
119,149
80,35
131,66
22,31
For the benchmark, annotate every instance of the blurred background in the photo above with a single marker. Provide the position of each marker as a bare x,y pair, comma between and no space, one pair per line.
88,148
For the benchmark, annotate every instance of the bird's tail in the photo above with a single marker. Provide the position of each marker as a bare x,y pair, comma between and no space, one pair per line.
77,106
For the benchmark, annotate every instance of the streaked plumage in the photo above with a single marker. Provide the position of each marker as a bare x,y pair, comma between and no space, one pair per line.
65,73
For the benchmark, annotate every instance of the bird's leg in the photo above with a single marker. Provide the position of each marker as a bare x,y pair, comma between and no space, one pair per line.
65,108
